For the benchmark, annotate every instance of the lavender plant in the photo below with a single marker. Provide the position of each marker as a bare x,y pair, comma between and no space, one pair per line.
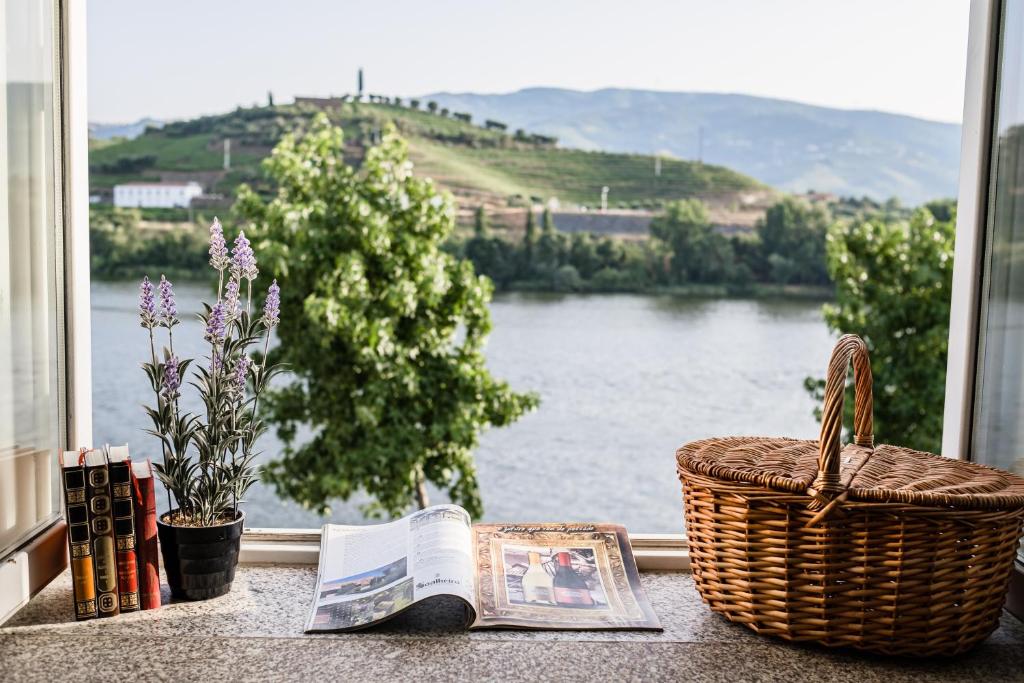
207,462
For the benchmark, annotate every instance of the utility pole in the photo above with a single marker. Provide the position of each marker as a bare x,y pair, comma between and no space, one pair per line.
360,84
604,199
657,167
227,154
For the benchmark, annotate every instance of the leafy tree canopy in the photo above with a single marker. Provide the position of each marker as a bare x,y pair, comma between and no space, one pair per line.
699,254
793,241
893,285
386,330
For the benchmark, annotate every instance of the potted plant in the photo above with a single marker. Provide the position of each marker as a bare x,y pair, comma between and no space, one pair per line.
208,458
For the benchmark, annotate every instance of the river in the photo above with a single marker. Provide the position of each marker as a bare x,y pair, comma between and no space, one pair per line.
624,380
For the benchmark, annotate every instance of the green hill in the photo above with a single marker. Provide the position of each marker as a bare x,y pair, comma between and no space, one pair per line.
487,164
787,145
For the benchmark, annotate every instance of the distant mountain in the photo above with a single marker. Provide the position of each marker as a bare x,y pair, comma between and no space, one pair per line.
785,144
130,131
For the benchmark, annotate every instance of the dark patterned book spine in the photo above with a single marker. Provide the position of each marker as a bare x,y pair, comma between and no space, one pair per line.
76,513
101,524
146,534
124,528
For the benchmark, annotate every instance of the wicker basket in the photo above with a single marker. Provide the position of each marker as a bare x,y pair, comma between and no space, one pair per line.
884,549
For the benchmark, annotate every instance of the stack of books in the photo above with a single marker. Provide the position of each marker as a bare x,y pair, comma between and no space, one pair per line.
110,508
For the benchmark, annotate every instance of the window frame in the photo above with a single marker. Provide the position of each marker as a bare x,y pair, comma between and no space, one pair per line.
970,263
43,554
653,552
661,551
972,219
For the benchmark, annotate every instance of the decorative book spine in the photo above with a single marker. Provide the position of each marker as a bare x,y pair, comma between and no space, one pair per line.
101,524
76,513
124,528
146,534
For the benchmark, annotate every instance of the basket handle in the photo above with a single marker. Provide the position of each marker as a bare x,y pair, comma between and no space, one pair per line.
849,347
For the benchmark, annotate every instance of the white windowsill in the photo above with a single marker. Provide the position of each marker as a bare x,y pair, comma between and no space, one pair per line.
653,552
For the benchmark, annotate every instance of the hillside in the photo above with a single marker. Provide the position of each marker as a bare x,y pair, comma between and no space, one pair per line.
490,166
787,145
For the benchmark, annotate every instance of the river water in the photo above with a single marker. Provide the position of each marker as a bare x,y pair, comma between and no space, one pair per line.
624,380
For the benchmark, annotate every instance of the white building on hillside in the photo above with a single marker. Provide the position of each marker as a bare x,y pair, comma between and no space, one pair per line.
156,195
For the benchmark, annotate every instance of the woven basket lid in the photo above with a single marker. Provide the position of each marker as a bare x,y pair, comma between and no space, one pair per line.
859,471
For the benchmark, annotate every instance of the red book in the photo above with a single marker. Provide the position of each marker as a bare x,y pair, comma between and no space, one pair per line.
146,548
122,508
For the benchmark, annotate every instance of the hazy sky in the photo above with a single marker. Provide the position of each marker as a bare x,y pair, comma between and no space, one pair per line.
178,58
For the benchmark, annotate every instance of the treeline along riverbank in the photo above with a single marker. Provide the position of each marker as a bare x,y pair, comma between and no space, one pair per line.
684,254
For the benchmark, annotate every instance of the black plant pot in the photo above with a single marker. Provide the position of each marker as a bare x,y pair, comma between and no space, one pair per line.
200,561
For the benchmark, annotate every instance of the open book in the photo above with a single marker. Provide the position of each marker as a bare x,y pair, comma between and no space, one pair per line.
539,576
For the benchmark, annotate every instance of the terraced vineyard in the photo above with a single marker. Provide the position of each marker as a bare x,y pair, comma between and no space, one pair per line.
488,165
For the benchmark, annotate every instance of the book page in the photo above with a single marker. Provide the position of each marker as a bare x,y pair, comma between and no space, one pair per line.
370,573
558,576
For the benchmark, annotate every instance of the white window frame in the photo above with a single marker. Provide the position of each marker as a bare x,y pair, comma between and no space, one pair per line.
44,555
653,551
972,206
969,262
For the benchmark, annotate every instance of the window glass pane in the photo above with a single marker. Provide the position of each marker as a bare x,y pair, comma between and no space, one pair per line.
29,408
998,429
659,252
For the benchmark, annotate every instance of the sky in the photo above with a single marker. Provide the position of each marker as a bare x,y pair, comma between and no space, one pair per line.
172,59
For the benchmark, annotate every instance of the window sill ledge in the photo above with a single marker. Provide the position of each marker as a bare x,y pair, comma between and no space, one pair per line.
653,552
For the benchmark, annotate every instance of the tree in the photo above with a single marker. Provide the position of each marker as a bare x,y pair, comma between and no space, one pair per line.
698,253
270,99
491,256
893,286
552,247
529,240
793,236
414,104
583,255
480,227
385,343
547,221
432,107
566,279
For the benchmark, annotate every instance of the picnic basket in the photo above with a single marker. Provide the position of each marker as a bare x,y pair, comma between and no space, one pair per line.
881,548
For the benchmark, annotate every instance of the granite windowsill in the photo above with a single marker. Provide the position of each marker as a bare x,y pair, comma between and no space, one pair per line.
255,633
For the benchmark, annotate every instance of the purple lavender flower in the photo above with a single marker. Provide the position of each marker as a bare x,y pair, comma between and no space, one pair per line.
168,308
147,304
216,324
218,248
241,373
272,307
215,362
231,299
172,379
243,261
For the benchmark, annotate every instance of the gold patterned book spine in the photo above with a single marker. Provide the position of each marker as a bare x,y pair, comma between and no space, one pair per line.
124,528
101,524
76,515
